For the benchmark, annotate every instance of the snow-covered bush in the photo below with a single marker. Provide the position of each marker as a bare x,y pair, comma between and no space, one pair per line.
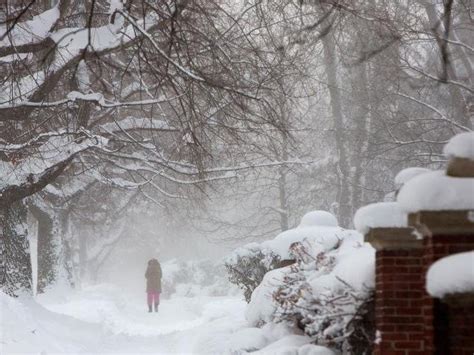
328,316
195,277
328,292
248,265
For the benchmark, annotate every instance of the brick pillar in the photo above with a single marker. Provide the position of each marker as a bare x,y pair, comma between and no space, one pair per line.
461,323
445,233
399,291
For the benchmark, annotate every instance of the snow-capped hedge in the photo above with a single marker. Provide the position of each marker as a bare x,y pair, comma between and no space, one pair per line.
326,292
247,266
317,227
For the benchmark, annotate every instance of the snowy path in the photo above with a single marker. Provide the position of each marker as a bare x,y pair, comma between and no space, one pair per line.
182,325
99,322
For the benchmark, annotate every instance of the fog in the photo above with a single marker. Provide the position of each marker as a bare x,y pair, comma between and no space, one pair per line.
183,176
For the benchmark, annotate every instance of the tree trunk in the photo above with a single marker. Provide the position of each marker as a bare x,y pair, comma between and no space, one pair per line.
362,128
343,171
48,259
15,263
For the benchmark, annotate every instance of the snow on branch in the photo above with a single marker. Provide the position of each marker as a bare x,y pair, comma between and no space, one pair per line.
137,123
29,32
42,165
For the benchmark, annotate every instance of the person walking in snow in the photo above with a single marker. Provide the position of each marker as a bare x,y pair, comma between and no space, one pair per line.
153,284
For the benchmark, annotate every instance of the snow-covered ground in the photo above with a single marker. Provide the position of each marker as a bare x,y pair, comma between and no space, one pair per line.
101,319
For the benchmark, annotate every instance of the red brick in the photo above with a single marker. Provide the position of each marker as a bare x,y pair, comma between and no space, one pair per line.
386,336
392,352
409,311
408,261
409,345
410,294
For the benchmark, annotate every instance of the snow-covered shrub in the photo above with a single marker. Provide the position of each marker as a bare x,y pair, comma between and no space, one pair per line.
247,266
330,315
328,292
195,277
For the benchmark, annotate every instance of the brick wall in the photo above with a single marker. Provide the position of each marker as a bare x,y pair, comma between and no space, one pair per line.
408,319
460,310
449,326
398,302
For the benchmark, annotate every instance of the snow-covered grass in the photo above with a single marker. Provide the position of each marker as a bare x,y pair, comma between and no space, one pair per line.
451,274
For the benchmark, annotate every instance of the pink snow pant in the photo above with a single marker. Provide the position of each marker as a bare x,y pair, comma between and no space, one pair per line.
153,298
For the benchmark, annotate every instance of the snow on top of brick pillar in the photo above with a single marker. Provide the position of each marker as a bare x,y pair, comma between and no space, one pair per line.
407,174
379,215
461,146
435,191
318,218
451,274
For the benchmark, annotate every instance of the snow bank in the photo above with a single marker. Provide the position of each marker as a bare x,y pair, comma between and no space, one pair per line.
379,215
354,264
27,327
318,228
247,339
435,191
452,274
286,345
407,174
274,338
320,237
318,218
261,308
333,276
460,146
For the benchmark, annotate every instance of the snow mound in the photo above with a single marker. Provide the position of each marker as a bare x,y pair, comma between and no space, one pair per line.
247,339
261,308
318,218
460,146
379,215
452,274
294,344
407,174
321,238
319,228
354,263
27,327
435,191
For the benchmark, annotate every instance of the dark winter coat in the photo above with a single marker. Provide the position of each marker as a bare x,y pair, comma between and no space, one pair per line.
153,276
